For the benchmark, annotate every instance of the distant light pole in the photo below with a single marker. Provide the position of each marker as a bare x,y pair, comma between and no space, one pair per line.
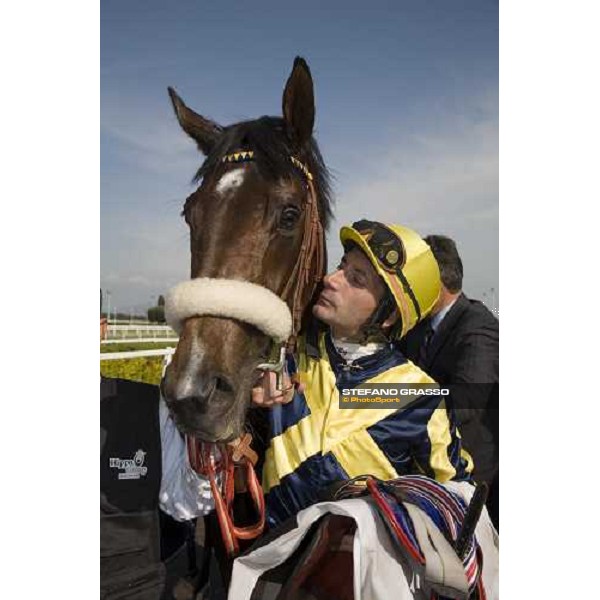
108,305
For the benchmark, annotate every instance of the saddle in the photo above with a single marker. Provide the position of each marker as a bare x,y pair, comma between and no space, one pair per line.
433,528
430,528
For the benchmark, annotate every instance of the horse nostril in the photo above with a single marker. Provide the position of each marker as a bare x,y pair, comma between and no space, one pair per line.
200,387
223,385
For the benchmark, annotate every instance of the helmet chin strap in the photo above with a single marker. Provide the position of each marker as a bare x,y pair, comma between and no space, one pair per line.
373,327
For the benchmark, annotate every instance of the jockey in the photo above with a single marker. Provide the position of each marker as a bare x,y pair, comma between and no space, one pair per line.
388,281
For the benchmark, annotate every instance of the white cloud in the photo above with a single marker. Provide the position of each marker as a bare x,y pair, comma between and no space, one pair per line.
435,178
148,135
438,181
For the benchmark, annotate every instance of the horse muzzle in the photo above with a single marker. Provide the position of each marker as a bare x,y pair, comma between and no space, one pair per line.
200,401
207,385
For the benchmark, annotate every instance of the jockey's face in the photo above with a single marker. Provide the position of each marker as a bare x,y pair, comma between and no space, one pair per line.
350,295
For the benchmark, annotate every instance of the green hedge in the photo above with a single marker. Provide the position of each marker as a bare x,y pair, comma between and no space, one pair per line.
133,345
146,369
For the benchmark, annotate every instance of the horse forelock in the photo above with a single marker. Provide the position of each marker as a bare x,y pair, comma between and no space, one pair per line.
272,150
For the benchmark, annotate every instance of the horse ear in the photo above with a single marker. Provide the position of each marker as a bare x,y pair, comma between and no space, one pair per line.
299,103
203,131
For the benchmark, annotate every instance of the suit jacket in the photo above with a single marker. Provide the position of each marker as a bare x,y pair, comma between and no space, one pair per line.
463,355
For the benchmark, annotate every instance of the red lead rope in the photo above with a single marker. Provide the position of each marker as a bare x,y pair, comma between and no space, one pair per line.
235,454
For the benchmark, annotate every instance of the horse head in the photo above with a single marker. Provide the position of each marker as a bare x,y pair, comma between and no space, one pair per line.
256,224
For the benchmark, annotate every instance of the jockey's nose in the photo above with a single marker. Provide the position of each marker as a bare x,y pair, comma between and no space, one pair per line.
331,279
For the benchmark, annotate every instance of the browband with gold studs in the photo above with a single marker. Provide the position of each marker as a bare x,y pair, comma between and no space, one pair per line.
248,155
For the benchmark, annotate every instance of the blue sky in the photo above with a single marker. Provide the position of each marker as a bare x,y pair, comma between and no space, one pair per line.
406,118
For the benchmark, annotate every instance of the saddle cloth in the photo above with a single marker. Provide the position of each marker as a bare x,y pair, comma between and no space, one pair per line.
424,519
378,568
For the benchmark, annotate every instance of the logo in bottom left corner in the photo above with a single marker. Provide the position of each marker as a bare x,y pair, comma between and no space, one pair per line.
130,468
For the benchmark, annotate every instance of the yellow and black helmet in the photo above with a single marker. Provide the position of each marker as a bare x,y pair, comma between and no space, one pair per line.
404,262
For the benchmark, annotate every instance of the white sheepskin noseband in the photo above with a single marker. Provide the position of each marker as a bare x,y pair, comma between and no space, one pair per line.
240,300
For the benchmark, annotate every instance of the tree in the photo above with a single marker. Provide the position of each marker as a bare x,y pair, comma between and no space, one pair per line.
156,314
161,301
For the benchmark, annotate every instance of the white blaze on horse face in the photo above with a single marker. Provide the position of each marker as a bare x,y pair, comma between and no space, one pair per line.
188,380
230,181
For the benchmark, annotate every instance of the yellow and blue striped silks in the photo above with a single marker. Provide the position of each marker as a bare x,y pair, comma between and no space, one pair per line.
315,442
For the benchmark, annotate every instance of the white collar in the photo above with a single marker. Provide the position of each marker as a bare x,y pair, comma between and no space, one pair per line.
351,351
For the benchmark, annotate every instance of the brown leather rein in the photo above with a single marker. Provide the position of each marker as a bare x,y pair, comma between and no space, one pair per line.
233,463
235,466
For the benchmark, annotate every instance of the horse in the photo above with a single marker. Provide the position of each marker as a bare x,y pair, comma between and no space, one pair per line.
257,226
257,223
257,231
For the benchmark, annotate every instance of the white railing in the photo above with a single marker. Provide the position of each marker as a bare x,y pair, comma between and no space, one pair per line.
121,332
140,340
166,352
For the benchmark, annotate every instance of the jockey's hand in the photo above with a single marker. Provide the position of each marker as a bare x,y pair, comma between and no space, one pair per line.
267,394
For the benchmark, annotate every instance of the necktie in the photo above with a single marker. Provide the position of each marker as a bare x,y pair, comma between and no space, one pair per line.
425,345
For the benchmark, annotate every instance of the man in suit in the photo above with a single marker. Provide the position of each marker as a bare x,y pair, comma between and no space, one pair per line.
458,346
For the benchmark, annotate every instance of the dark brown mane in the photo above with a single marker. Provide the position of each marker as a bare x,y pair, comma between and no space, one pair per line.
272,150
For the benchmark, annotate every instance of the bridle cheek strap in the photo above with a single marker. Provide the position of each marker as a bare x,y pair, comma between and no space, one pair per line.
311,260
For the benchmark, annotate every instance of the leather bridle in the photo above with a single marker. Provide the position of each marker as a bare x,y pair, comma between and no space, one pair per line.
300,286
234,463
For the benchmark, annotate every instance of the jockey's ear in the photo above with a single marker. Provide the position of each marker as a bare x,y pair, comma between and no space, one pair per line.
203,131
299,103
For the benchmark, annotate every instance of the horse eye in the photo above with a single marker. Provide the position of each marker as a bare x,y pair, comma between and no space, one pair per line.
289,217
